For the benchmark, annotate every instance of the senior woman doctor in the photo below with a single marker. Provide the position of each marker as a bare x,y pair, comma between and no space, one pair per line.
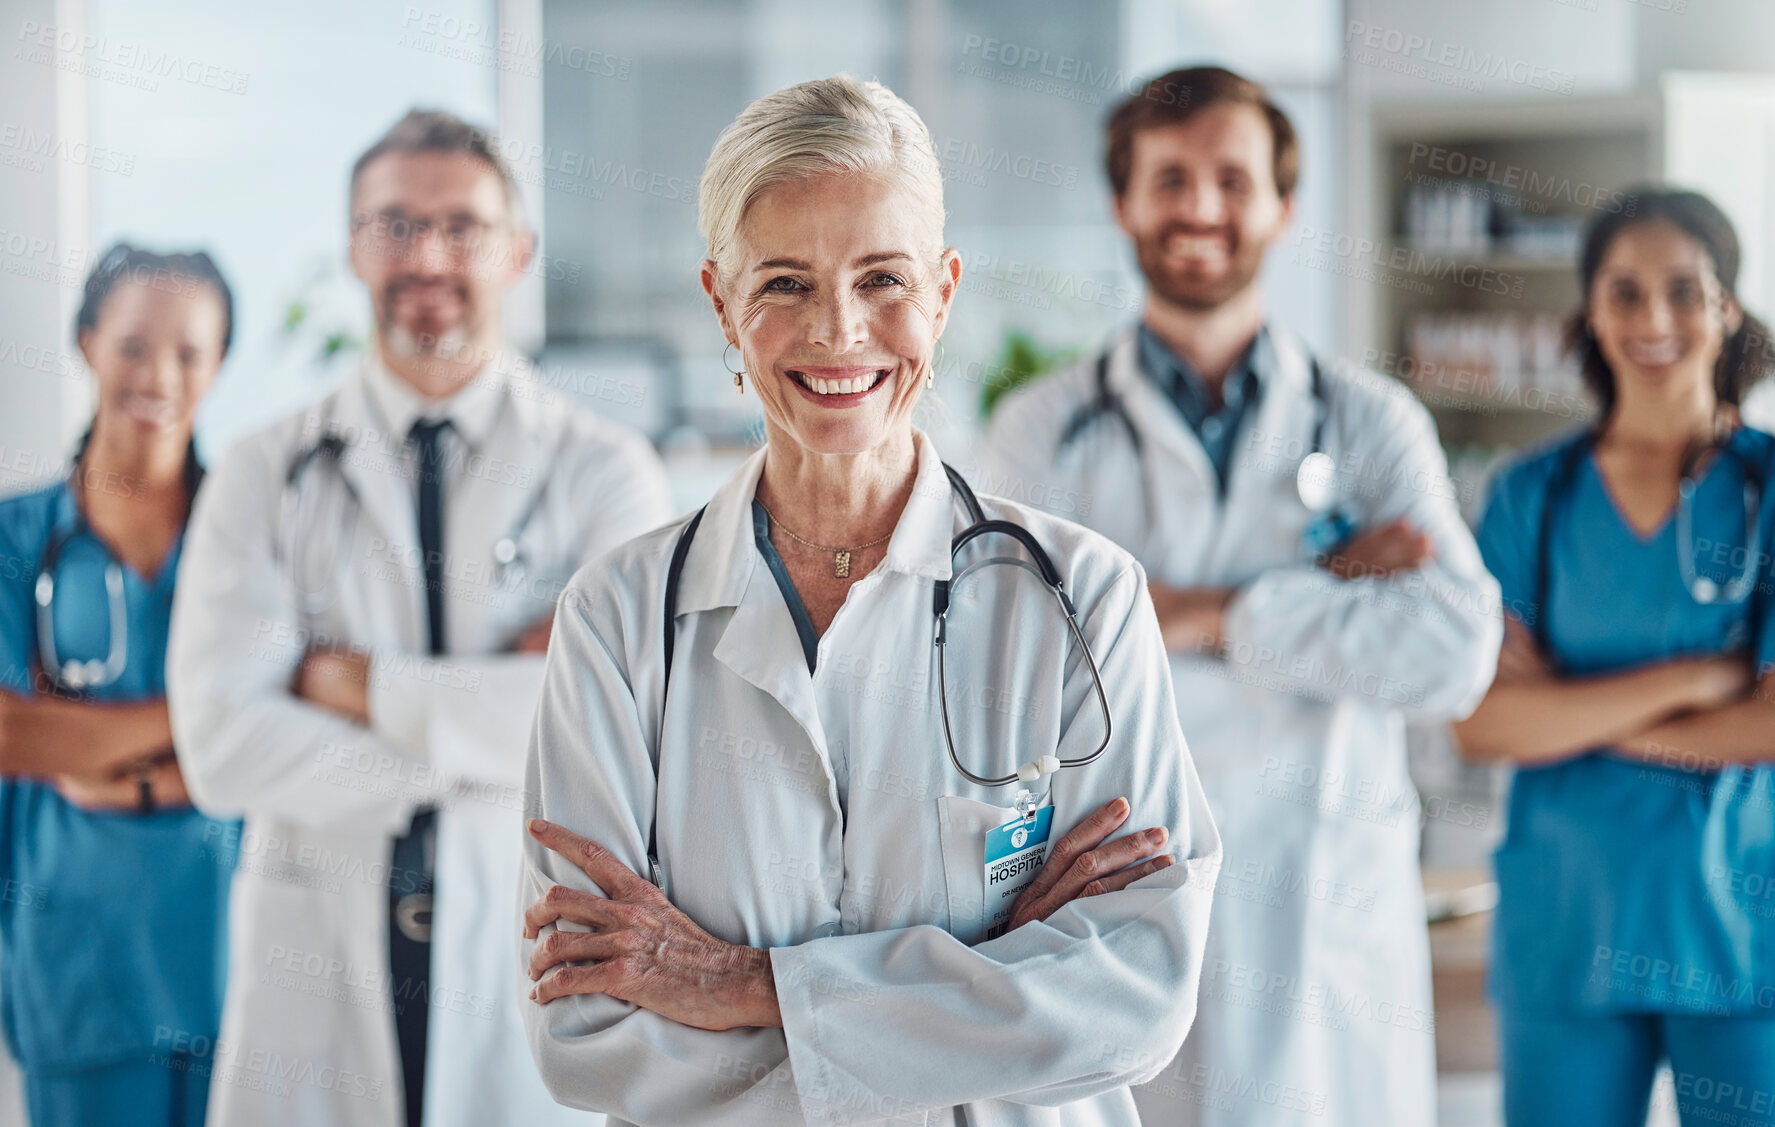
816,951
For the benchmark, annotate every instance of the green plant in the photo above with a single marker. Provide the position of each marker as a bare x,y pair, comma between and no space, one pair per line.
1020,360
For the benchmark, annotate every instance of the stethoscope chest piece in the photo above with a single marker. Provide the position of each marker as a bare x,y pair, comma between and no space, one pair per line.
1704,589
1315,481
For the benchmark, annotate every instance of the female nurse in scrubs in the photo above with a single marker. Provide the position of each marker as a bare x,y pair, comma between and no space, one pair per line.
1635,697
116,888
821,945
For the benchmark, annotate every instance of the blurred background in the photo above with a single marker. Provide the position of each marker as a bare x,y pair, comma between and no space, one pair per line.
1452,151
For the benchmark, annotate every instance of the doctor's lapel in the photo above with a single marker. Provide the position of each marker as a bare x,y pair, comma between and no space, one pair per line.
373,461
1178,484
759,643
503,475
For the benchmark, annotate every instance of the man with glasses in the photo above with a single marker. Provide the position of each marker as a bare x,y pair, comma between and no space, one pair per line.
355,660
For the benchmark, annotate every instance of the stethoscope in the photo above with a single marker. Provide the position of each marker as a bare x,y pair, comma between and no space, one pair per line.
1703,590
1044,569
93,673
978,526
509,554
1315,479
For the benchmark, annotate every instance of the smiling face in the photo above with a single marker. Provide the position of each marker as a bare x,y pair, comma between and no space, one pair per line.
154,351
1659,311
833,301
1201,205
434,241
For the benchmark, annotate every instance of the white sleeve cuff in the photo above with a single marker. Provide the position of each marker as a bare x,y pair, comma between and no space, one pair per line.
397,705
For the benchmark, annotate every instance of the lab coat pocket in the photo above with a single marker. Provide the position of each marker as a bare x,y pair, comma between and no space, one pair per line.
962,824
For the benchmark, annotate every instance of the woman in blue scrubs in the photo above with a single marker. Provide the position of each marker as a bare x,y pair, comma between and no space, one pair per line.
1635,697
115,906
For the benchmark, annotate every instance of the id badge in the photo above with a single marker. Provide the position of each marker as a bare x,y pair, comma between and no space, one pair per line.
1015,853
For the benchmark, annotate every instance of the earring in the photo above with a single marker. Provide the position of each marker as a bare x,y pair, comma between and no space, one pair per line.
930,373
739,377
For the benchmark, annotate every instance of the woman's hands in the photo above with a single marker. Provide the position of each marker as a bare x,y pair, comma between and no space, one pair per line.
642,950
1081,865
1520,658
121,791
1533,716
1714,682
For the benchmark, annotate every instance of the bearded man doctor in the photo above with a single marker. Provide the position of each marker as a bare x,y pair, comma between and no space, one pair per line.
1309,616
356,658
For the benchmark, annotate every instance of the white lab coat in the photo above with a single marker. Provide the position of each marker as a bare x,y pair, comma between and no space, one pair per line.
820,817
1316,1002
307,1032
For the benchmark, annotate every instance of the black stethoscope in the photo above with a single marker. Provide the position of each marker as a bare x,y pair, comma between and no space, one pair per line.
1703,590
978,526
332,446
1315,479
1043,568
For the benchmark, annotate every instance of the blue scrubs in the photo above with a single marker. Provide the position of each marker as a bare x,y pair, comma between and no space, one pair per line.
1636,912
112,924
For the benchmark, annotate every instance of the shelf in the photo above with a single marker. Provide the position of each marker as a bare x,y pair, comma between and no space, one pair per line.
1501,263
1570,407
1511,119
1550,159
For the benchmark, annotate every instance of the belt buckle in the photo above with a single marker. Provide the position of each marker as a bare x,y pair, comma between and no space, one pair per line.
412,914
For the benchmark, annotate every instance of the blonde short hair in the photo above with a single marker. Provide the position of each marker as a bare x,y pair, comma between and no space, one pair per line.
828,125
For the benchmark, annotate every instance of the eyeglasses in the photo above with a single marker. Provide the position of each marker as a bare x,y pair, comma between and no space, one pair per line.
398,231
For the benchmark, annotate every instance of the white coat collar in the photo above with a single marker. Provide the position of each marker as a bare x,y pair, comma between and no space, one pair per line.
512,422
723,558
1288,386
1288,376
759,643
471,410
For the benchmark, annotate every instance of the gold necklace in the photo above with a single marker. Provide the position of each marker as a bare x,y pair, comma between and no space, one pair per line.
841,557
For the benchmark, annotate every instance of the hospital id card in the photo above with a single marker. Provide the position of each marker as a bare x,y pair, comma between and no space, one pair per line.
1015,853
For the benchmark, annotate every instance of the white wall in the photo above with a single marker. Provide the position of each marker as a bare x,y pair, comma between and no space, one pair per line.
44,166
1729,35
252,163
1291,47
1395,50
